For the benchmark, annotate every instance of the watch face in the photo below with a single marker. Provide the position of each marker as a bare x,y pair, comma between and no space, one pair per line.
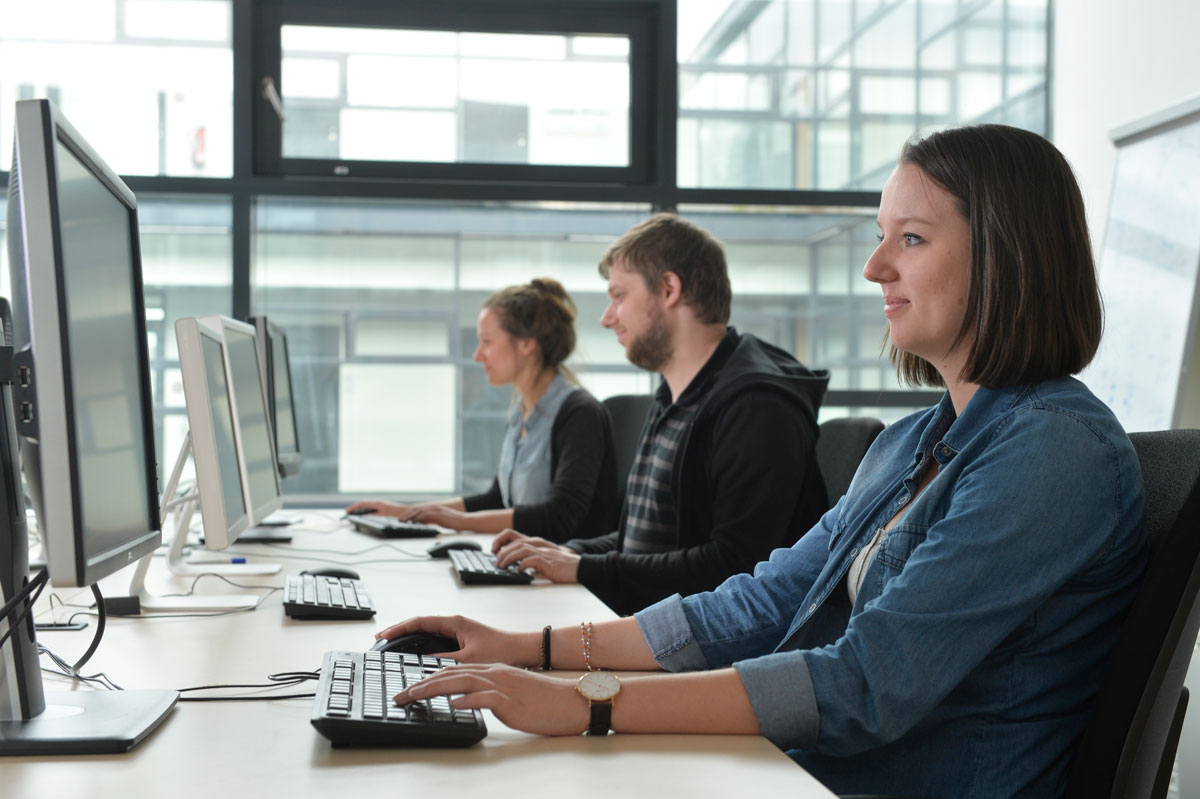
599,685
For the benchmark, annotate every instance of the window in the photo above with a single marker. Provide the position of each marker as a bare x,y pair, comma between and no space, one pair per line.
553,93
431,153
821,94
149,83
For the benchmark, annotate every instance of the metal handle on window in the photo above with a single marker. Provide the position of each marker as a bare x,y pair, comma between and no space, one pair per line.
271,95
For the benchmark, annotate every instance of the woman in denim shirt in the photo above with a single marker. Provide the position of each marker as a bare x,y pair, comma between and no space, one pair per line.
557,476
943,629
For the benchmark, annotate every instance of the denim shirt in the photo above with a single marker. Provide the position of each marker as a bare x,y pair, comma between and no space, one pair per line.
524,473
967,664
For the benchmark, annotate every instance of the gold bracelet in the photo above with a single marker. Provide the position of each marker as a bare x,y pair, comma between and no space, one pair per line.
585,635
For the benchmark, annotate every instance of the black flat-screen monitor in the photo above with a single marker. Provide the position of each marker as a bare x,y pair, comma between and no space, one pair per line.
81,408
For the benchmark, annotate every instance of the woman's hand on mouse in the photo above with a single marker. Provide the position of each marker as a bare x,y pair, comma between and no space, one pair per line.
477,643
524,700
380,507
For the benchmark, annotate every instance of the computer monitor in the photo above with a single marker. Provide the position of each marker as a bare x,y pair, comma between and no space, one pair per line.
275,363
229,444
211,436
77,397
254,448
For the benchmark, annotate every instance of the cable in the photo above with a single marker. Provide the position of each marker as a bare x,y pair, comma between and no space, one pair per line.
38,579
64,670
40,582
101,615
285,679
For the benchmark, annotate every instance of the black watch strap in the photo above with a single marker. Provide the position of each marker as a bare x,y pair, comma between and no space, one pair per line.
601,718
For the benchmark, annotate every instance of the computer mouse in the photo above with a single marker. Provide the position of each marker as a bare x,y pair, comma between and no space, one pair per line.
419,643
361,511
442,548
333,571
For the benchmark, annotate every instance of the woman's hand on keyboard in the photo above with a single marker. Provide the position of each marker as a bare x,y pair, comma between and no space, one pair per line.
478,643
434,513
524,700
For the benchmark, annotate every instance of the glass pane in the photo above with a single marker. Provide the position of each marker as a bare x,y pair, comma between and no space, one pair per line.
360,94
796,276
378,296
187,270
804,94
372,433
90,57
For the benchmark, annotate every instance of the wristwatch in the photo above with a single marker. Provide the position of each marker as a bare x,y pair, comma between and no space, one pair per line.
599,688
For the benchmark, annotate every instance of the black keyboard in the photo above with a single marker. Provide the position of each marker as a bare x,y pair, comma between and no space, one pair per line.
307,596
354,707
391,527
480,567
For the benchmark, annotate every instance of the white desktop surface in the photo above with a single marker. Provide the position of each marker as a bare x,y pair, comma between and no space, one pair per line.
267,749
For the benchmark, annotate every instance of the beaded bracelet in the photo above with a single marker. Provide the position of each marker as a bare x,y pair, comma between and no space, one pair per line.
585,635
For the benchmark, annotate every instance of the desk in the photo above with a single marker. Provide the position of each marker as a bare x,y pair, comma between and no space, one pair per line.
268,749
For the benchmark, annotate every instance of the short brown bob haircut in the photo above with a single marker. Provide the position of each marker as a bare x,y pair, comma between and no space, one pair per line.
1033,309
665,243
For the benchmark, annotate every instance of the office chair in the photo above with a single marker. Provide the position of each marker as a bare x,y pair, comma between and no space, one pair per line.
628,412
1128,747
841,444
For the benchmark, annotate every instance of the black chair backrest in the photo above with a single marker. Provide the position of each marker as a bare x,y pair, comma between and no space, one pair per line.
1128,747
628,412
841,444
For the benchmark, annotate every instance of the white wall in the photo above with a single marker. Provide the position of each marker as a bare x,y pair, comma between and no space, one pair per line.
1116,61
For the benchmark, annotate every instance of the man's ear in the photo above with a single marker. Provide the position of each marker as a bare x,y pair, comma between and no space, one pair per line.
670,289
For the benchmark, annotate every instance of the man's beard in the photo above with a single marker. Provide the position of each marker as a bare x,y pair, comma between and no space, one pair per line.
653,349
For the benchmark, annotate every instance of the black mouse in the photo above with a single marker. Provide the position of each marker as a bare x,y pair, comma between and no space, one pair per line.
416,644
361,511
332,571
442,548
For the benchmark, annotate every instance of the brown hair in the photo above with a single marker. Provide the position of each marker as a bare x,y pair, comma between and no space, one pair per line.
665,243
1033,309
542,310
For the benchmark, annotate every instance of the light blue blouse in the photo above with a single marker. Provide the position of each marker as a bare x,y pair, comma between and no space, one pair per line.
524,473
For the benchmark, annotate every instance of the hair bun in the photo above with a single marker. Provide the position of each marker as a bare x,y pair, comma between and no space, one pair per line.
552,288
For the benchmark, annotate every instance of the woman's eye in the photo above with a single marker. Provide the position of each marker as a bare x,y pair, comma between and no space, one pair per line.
911,238
879,238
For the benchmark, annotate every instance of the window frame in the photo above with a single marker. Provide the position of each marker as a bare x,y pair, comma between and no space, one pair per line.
638,20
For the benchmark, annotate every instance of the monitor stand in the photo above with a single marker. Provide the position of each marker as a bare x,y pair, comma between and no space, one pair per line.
184,508
33,722
87,723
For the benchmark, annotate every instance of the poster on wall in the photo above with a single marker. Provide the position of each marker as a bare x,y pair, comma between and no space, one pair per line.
1148,274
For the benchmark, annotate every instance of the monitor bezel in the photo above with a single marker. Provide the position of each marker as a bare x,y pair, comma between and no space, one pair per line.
258,512
267,330
218,532
38,126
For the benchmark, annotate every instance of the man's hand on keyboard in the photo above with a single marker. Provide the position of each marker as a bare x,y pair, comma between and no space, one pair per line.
556,563
524,700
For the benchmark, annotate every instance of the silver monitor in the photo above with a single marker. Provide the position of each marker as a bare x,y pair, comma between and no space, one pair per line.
80,404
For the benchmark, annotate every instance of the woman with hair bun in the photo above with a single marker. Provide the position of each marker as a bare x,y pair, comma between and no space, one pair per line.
557,476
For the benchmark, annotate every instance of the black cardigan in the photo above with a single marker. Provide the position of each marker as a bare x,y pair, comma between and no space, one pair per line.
745,481
583,477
